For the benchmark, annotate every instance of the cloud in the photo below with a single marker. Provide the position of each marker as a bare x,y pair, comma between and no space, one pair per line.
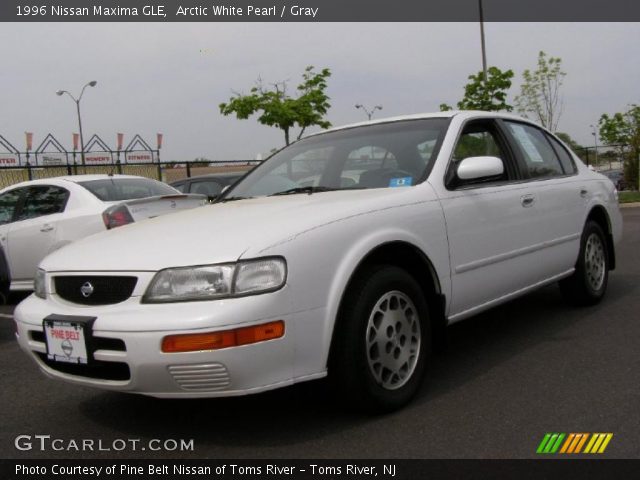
170,78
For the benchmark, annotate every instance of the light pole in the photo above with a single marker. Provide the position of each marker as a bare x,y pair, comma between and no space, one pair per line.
368,113
595,142
92,83
484,50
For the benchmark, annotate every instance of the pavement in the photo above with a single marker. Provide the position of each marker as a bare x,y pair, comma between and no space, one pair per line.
508,376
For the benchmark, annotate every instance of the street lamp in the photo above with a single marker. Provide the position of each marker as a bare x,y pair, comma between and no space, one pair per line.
369,113
482,44
92,83
595,142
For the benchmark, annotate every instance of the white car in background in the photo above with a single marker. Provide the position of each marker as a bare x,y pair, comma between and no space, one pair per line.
38,217
280,281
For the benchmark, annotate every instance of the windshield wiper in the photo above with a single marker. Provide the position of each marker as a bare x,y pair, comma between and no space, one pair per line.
231,199
309,190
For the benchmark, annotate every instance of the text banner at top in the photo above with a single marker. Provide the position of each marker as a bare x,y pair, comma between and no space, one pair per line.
318,11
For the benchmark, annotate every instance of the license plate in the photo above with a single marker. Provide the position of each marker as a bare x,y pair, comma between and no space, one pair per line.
66,341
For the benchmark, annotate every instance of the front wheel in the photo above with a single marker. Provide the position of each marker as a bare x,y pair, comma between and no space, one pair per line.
383,340
588,283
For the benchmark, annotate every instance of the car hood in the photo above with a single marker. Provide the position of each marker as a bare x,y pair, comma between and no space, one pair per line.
221,232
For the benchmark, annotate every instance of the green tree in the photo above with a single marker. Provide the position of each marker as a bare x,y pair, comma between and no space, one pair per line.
276,108
566,138
540,92
488,96
622,132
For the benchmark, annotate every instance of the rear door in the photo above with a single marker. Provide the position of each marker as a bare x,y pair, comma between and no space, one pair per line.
33,232
560,198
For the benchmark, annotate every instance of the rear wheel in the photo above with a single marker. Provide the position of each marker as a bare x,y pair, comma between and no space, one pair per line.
588,283
382,342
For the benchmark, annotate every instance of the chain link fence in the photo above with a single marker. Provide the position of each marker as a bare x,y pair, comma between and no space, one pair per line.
166,172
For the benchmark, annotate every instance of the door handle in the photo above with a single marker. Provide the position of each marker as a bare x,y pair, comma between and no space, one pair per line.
583,192
527,200
46,228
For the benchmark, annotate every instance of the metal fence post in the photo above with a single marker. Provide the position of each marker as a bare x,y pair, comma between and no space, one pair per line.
188,170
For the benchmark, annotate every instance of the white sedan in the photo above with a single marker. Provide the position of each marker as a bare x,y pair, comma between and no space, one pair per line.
281,282
40,216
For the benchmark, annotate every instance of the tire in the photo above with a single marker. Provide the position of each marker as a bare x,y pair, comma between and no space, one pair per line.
382,341
5,278
588,283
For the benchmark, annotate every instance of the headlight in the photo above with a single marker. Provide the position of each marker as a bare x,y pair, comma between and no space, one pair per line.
39,284
210,282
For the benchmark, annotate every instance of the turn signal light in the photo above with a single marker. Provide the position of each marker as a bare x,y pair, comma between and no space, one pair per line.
193,342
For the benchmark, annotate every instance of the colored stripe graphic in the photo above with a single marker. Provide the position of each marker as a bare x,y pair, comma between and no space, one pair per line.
574,443
550,443
598,442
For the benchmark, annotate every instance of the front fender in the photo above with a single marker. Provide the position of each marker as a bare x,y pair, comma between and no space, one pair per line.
321,263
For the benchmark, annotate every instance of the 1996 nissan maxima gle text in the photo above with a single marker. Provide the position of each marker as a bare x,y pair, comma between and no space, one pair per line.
342,254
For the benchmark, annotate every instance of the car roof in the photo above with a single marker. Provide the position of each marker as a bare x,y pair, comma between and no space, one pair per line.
70,178
420,116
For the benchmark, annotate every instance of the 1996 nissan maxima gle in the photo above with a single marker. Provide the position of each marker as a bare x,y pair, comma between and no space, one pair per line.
343,254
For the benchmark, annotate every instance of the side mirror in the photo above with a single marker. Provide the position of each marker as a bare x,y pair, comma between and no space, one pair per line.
473,168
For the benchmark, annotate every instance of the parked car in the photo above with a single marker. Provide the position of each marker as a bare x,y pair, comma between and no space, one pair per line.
40,216
210,185
449,214
617,177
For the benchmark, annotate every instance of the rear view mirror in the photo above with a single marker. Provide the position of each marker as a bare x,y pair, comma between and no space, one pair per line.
473,168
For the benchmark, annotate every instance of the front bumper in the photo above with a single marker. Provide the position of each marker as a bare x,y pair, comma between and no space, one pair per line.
127,356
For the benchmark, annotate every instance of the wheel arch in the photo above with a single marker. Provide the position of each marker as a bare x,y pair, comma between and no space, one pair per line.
599,215
412,259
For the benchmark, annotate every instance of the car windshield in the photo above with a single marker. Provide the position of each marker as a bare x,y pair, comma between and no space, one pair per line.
387,155
118,189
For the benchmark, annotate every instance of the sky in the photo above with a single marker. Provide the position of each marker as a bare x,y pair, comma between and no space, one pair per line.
170,78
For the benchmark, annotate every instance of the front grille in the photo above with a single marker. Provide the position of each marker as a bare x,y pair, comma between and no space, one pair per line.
95,369
95,290
204,377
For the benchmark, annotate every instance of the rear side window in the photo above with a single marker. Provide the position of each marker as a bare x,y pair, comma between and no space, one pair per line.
565,159
118,189
540,159
41,201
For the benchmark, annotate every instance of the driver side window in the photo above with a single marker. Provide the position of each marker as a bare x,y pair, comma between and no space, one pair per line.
478,139
477,143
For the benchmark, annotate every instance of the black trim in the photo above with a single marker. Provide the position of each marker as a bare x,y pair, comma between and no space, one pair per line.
5,276
109,289
97,369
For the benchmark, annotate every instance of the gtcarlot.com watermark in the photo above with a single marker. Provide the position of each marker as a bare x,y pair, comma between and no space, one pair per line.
47,443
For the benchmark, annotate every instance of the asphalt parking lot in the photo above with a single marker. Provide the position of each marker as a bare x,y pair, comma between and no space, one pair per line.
508,376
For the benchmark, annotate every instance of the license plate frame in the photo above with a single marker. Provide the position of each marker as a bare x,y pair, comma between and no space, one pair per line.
68,338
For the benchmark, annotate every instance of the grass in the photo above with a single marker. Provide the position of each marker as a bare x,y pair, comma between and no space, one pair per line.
629,196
